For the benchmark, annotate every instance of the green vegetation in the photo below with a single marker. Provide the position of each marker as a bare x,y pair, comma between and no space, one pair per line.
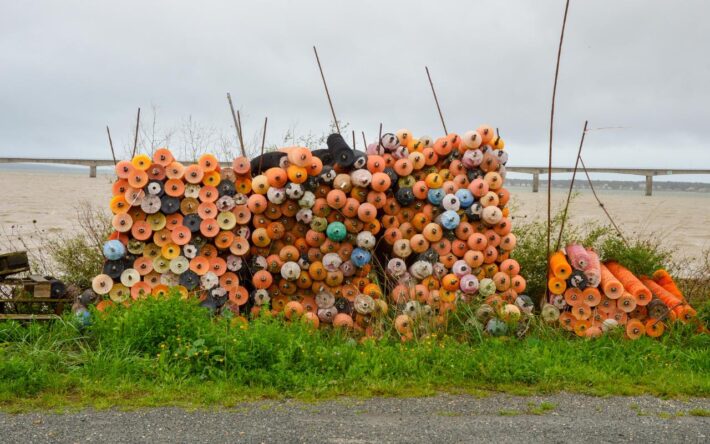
171,352
642,254
541,409
700,412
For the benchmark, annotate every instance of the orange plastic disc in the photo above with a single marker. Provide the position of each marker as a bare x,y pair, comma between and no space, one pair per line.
208,162
160,290
124,169
218,266
211,179
635,329
143,265
591,296
194,174
174,187
175,170
241,165
238,295
224,239
626,303
207,210
162,237
140,290
208,251
163,157
567,321
156,172
573,296
200,265
581,327
122,222
141,230
239,246
170,251
654,328
173,221
119,205
138,179
209,228
208,193
181,235
120,187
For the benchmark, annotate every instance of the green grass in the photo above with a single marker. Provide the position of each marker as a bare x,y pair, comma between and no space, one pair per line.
170,352
699,412
541,409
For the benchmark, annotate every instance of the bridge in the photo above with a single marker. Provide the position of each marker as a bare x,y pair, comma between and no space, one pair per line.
649,173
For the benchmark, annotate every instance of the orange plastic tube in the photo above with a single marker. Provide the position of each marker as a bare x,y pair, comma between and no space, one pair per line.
559,266
630,282
664,279
556,286
682,311
610,285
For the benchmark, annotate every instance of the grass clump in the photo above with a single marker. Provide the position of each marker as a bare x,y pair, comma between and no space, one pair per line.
641,256
541,409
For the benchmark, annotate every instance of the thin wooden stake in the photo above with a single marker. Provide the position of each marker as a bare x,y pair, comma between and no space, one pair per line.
353,139
379,140
263,142
436,99
135,139
552,122
237,126
571,186
110,142
364,140
327,93
239,122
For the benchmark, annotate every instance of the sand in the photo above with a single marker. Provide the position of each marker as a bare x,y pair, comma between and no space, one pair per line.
680,219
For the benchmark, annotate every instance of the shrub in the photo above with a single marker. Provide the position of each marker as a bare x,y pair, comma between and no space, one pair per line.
641,256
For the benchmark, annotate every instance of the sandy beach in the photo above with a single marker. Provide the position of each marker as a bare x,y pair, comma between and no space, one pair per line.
51,198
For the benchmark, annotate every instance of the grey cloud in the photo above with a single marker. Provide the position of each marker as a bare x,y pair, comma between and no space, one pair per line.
71,67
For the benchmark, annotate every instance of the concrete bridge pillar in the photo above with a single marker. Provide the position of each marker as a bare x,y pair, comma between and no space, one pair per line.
92,170
536,182
649,185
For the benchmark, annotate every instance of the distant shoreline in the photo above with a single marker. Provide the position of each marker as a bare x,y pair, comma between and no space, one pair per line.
580,183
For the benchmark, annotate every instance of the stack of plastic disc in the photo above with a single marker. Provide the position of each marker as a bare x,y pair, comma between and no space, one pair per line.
177,227
447,233
590,298
313,236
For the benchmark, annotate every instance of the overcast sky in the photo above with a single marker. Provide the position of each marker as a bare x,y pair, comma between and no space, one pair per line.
70,68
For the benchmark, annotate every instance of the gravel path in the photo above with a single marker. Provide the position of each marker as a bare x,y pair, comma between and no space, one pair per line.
445,418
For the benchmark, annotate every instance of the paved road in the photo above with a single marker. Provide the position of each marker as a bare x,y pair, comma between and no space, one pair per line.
446,418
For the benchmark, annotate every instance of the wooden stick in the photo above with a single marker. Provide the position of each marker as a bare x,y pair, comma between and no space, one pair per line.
552,122
110,142
364,140
263,141
379,141
135,139
239,122
436,100
571,186
237,126
353,139
327,93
